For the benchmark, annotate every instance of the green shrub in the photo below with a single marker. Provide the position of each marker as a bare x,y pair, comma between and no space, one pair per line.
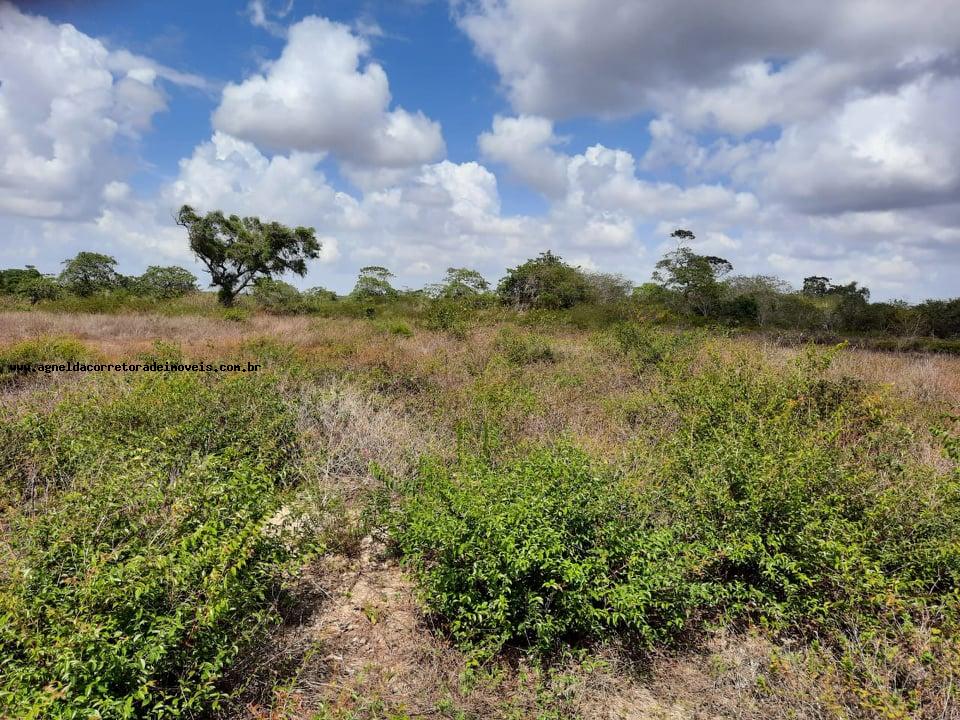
446,315
799,491
544,282
790,496
525,349
140,557
647,346
277,297
236,314
546,550
52,350
395,327
166,282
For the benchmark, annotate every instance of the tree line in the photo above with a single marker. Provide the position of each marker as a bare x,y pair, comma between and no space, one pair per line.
248,256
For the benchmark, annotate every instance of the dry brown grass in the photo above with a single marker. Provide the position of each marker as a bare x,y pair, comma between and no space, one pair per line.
447,361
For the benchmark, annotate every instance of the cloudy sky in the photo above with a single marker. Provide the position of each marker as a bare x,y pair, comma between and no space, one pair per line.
795,138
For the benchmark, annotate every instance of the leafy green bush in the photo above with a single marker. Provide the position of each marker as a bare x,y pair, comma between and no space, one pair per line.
544,282
139,554
648,346
799,492
395,327
788,496
52,350
236,314
166,282
546,550
277,297
446,315
525,348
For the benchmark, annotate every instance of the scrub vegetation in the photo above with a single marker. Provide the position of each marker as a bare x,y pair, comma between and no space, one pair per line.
565,498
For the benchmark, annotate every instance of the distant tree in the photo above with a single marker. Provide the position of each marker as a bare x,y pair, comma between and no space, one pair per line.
816,286
320,293
373,283
940,318
544,282
608,287
851,313
89,273
277,296
762,293
459,283
166,282
236,251
683,236
850,290
695,278
10,280
37,288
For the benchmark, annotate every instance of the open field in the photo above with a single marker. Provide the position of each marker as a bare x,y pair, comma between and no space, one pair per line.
515,519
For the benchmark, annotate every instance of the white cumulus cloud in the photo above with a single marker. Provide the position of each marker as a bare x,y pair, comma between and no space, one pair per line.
322,95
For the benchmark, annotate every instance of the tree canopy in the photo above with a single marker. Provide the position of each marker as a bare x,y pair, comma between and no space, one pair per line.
460,283
88,273
166,282
236,251
694,277
544,282
373,283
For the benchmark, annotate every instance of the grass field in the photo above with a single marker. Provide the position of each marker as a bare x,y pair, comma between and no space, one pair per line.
505,519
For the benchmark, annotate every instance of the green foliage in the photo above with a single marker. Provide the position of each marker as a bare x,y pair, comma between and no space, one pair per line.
446,315
941,318
607,288
236,251
816,286
373,283
544,282
48,350
166,282
546,550
525,348
648,347
789,497
39,288
236,314
277,297
460,283
395,327
88,273
12,279
694,278
319,295
141,559
788,485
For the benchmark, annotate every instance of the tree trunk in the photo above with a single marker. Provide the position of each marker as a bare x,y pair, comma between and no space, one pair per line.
226,296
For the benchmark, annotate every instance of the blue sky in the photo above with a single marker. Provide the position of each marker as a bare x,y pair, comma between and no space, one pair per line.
425,134
421,54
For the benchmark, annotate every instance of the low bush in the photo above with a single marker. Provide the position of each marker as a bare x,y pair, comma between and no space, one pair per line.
52,350
395,327
546,550
525,348
788,497
236,314
447,315
647,346
804,497
277,297
139,557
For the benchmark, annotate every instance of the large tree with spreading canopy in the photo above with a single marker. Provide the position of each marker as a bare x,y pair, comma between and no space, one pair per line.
236,251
